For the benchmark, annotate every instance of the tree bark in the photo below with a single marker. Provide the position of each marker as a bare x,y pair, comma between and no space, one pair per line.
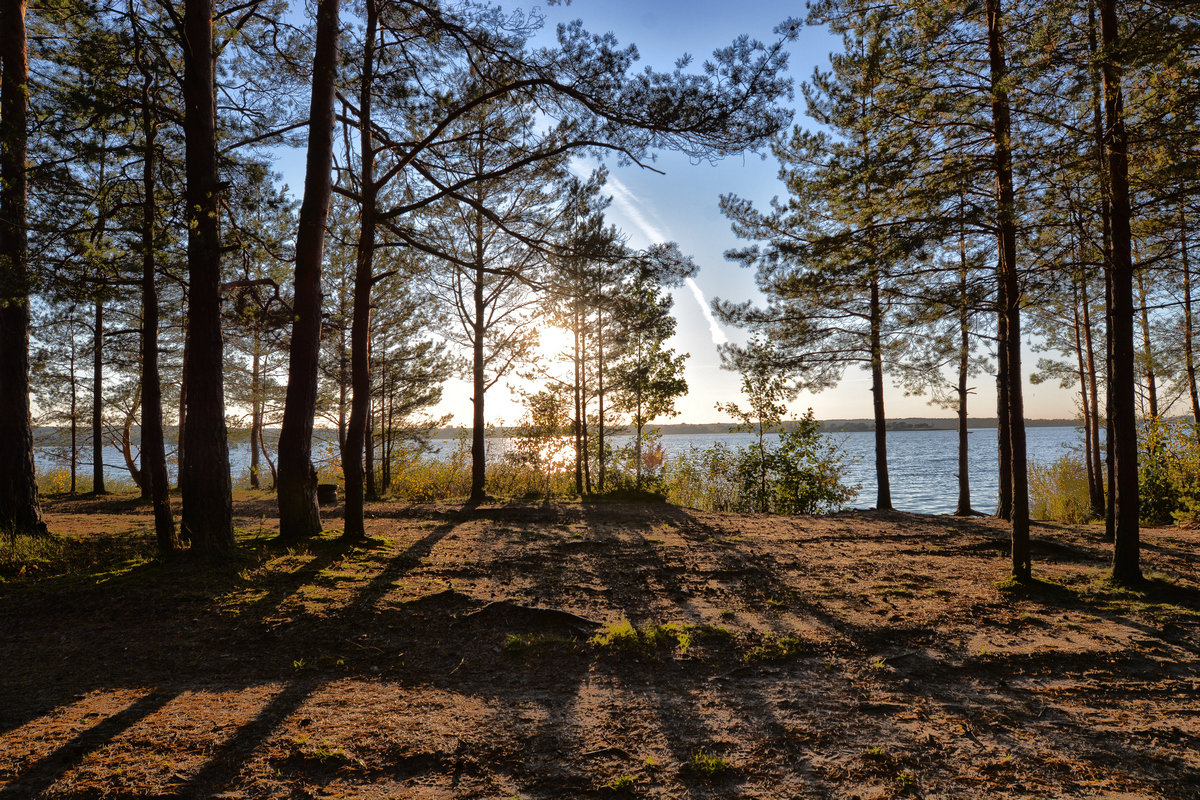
154,458
299,517
1089,423
1147,350
20,511
1010,290
256,410
1126,550
577,391
1106,243
207,513
1003,442
98,398
1189,356
963,507
1096,492
360,329
479,387
883,498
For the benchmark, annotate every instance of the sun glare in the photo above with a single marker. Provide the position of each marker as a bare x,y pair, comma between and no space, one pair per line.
554,341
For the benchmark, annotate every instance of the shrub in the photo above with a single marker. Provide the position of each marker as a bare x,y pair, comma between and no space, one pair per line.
803,474
1059,491
1168,471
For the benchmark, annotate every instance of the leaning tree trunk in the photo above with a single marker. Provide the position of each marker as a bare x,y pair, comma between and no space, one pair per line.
1089,423
1126,550
154,458
1096,493
207,513
1189,356
1147,351
360,328
296,485
1010,291
20,511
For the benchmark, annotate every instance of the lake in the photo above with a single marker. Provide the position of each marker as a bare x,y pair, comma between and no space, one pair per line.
923,465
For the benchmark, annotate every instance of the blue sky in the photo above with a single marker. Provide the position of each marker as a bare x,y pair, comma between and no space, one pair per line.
681,205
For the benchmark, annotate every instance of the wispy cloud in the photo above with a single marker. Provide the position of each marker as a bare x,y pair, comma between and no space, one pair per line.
628,204
714,327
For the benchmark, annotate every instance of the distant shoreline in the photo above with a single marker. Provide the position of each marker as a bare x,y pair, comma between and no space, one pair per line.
685,428
827,426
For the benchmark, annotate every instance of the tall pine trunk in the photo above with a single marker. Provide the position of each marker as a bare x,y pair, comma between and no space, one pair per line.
207,514
1089,424
98,398
478,383
1004,500
1010,291
1122,411
1189,356
20,511
154,457
1095,492
883,499
360,327
256,410
963,507
296,485
1147,350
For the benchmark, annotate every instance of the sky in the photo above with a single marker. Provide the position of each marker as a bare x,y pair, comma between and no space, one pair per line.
681,205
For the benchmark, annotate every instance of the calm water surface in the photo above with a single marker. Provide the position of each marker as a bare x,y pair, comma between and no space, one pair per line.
923,465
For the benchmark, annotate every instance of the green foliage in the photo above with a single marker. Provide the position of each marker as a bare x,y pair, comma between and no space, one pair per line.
707,766
532,644
803,474
703,478
622,783
774,648
1059,491
809,471
540,442
1168,471
624,637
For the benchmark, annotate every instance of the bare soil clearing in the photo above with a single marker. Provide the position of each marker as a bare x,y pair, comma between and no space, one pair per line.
482,654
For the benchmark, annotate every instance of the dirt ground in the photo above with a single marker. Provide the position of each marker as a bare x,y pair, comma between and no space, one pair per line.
485,654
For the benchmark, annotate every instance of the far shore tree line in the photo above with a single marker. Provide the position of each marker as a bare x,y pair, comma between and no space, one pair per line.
970,167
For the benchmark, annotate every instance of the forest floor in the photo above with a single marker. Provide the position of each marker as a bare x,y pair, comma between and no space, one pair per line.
576,650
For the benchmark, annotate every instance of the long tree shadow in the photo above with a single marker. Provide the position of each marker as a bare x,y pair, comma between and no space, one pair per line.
224,765
40,776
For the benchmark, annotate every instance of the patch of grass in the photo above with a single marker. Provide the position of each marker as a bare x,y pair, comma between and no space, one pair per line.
622,783
624,637
321,753
875,755
774,648
707,766
886,590
783,597
533,644
94,557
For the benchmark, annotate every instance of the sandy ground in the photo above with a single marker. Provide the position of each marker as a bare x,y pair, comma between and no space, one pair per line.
484,654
